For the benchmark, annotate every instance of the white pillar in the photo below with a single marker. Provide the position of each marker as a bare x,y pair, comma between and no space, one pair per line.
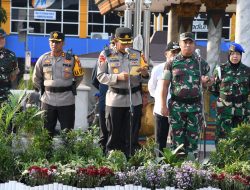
173,31
137,17
128,14
242,28
146,28
213,43
159,26
81,107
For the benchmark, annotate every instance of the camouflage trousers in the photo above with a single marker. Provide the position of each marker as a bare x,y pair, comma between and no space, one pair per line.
225,124
186,129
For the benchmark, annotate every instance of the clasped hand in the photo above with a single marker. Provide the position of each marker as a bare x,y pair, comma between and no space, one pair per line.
207,81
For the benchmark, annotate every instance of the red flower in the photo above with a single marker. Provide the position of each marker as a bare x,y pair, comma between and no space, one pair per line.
218,177
81,170
36,168
103,171
53,167
221,176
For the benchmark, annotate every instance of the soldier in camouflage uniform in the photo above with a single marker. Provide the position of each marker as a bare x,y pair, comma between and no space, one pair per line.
8,68
56,75
232,87
185,108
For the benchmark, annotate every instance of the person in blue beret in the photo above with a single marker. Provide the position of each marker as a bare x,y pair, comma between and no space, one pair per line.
231,86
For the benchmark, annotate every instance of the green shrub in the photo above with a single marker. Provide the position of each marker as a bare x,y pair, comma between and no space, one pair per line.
8,162
78,144
238,167
144,155
117,160
27,85
235,148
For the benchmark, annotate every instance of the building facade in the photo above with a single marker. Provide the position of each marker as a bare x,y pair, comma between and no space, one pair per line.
86,30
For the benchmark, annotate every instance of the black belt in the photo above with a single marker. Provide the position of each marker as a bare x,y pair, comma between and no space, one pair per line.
58,89
124,91
234,99
186,100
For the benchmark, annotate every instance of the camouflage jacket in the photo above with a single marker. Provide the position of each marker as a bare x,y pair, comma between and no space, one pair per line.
232,86
185,83
8,64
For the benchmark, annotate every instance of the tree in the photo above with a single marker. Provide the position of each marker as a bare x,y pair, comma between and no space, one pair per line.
3,14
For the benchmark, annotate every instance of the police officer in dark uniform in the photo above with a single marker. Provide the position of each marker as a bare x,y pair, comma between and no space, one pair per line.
56,75
8,68
113,70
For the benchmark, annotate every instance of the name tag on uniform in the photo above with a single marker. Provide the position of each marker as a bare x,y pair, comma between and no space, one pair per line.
47,61
134,63
114,64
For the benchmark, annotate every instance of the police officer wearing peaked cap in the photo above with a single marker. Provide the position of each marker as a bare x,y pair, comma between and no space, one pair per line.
57,36
56,75
232,88
113,70
8,68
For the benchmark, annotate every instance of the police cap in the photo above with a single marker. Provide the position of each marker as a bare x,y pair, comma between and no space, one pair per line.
236,47
172,46
186,36
124,35
56,36
2,33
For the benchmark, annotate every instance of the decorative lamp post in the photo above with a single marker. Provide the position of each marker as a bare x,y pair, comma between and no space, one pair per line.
146,28
128,13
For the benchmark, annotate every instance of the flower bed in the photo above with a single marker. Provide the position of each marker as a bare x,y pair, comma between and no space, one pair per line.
153,176
78,162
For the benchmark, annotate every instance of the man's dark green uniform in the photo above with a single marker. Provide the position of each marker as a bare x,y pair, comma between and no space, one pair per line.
8,65
232,87
185,103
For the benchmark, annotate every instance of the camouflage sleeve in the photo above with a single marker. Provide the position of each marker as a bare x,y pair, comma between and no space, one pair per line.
14,70
167,72
249,78
102,71
14,63
215,87
205,67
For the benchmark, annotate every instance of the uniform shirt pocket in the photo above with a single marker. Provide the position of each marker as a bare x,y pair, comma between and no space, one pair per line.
47,73
67,72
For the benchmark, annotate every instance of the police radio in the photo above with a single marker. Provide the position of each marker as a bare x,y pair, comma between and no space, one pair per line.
107,50
69,54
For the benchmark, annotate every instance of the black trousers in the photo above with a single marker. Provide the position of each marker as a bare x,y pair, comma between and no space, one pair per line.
162,128
64,114
103,130
118,125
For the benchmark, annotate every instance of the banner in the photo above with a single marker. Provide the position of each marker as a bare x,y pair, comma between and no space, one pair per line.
42,4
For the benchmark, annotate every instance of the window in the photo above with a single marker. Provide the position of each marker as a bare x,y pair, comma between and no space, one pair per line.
102,23
64,17
200,27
